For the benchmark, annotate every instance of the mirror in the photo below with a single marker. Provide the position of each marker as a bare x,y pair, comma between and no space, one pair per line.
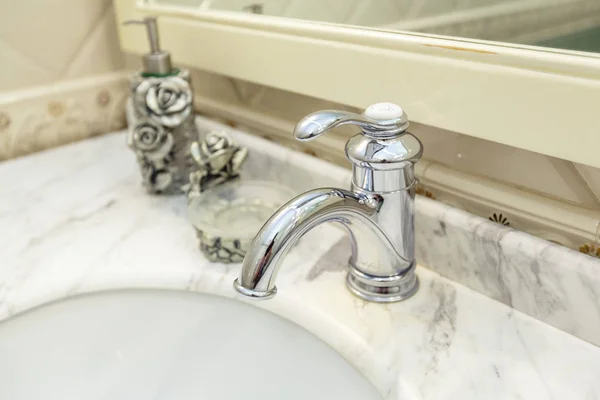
561,24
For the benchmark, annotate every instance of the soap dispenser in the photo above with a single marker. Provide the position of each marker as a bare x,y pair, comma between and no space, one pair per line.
161,119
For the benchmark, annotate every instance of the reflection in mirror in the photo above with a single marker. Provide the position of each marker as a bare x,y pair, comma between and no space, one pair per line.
563,24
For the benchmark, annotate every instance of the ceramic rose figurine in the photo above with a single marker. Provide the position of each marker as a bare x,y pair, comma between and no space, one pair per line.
218,159
161,130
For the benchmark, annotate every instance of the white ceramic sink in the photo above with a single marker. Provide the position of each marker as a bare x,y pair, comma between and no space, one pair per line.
151,344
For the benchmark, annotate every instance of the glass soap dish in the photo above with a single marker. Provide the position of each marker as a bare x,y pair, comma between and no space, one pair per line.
227,217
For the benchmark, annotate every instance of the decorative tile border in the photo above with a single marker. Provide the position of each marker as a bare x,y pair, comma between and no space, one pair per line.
47,116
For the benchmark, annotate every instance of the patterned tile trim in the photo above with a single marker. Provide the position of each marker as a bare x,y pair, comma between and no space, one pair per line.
47,116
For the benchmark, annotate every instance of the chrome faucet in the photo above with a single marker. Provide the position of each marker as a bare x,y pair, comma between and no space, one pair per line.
378,211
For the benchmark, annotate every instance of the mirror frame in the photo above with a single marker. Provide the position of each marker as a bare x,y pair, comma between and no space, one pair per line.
542,100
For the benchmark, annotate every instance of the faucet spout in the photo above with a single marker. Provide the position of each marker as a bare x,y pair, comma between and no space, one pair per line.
378,211
379,269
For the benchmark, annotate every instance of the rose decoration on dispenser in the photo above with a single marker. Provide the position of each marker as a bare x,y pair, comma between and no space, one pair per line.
157,176
151,139
167,101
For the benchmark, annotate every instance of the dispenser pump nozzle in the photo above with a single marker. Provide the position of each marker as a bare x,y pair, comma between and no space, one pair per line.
157,62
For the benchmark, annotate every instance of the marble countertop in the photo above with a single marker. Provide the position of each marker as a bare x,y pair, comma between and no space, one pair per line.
75,220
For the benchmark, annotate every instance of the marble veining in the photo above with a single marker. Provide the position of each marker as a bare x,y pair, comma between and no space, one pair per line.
547,281
77,220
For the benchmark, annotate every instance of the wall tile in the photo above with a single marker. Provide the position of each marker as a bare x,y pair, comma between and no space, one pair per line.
49,32
537,172
16,70
591,176
43,41
99,52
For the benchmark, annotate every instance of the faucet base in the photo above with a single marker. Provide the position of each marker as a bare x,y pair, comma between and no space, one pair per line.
254,294
380,289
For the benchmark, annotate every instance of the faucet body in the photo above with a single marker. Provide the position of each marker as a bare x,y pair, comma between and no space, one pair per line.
378,212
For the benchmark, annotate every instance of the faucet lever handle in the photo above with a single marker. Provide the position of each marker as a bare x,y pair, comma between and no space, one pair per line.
380,120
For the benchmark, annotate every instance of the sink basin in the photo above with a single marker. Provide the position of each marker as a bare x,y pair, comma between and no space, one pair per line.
152,344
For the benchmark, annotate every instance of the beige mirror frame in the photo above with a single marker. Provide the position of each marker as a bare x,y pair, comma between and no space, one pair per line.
541,100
